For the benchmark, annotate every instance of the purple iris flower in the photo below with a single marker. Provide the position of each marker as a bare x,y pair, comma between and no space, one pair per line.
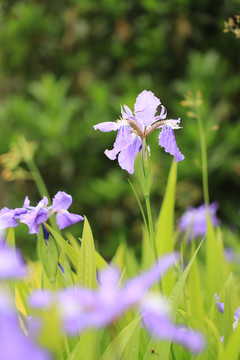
194,220
37,215
14,344
81,308
133,129
61,202
99,308
11,263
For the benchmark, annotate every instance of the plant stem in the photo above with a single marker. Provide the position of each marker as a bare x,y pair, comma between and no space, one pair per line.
204,156
150,225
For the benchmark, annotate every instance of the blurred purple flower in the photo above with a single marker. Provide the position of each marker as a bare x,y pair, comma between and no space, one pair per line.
61,202
11,263
80,308
158,322
194,220
14,344
231,255
133,128
99,308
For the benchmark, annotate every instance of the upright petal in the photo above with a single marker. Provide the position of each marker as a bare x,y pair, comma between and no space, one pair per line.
61,201
168,142
123,139
145,107
127,155
106,126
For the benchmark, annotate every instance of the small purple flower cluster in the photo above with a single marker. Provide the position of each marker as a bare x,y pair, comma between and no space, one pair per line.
14,344
34,216
81,308
133,129
194,220
220,306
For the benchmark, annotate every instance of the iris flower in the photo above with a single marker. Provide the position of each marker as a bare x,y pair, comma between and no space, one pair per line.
34,216
133,130
81,308
194,220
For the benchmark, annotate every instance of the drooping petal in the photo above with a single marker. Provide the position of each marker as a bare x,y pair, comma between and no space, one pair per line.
145,107
159,324
64,219
61,201
7,218
123,139
106,126
127,156
168,142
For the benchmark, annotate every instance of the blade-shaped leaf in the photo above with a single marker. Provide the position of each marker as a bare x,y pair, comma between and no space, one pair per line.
86,274
116,348
165,226
163,347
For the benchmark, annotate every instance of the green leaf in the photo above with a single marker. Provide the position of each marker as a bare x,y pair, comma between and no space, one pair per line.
72,254
195,290
11,237
216,264
48,255
132,347
227,314
64,279
232,349
88,347
163,347
116,349
86,274
165,226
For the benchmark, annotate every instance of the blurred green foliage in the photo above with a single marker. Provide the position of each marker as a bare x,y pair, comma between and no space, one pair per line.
67,65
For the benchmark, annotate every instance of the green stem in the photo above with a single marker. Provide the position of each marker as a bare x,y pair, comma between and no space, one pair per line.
204,157
140,206
150,224
37,178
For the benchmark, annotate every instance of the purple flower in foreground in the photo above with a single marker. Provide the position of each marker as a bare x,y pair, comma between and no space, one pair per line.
14,344
11,263
194,220
81,308
133,129
158,322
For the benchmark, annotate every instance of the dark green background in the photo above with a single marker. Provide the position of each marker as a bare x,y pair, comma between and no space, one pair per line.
67,65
